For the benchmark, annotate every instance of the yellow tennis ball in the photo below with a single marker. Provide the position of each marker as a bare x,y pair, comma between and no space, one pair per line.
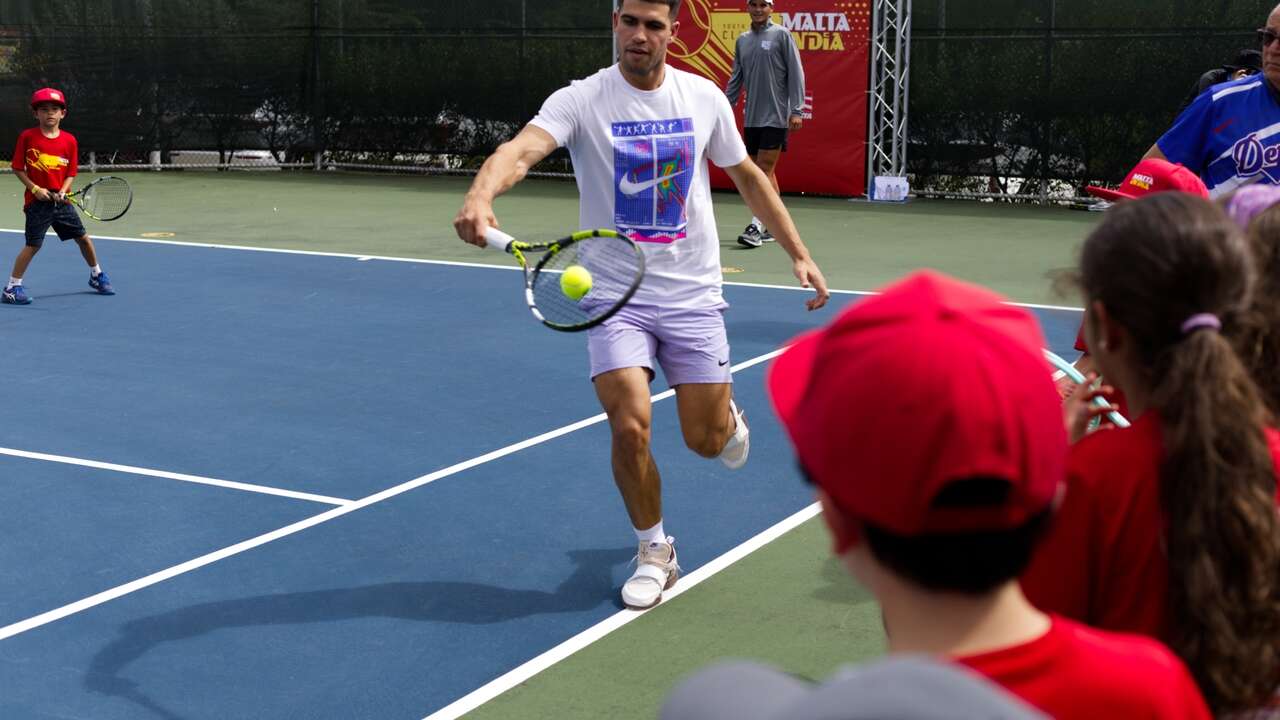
575,282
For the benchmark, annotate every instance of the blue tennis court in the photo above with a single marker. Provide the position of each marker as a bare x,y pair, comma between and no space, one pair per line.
278,484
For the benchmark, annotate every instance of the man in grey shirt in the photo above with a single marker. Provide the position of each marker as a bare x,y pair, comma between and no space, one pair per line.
766,63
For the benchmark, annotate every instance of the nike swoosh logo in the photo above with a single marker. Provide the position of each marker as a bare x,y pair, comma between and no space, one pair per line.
630,187
723,363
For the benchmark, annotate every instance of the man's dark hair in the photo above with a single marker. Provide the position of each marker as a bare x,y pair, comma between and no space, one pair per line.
674,5
972,563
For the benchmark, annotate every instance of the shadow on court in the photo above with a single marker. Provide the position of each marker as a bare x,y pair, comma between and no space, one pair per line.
427,601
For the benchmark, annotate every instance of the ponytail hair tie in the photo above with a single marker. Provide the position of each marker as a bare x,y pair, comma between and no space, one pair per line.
1201,321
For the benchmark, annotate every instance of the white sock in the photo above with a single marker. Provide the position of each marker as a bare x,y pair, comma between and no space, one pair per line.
653,534
756,221
13,282
96,270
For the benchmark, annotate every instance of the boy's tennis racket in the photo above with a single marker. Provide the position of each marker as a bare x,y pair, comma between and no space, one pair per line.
581,280
1069,370
104,199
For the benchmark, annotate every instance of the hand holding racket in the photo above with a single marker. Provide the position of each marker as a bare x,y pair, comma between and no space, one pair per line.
1097,399
103,199
580,280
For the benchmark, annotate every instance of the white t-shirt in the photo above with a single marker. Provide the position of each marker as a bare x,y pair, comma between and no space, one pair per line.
640,158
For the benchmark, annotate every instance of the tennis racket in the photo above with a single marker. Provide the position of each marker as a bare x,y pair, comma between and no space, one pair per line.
103,199
580,280
1069,370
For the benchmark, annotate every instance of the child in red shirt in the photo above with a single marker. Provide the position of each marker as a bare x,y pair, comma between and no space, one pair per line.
1169,528
46,162
927,417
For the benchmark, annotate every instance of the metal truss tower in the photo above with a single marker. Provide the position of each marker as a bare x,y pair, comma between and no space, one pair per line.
888,88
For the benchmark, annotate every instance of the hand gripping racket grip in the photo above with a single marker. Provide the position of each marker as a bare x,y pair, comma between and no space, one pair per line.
495,239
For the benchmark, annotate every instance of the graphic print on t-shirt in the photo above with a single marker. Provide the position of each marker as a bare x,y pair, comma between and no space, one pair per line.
652,174
37,160
1252,156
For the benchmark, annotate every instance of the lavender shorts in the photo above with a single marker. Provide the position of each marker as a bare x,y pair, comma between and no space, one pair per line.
690,345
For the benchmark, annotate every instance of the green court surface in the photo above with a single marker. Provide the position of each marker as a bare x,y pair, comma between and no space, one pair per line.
789,603
859,245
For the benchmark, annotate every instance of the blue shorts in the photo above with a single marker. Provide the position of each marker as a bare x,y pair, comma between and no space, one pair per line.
61,216
690,345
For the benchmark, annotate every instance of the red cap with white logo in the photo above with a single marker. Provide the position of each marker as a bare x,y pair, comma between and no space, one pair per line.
1152,176
48,95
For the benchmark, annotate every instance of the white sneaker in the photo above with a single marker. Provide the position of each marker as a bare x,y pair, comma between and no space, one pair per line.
656,570
734,454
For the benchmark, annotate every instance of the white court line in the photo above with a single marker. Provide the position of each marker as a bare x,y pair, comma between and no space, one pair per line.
247,487
521,674
458,263
81,605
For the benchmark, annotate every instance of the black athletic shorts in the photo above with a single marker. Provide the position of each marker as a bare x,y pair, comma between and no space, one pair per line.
764,138
62,216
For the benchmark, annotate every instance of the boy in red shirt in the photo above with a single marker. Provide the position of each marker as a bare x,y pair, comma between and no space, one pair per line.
46,161
927,418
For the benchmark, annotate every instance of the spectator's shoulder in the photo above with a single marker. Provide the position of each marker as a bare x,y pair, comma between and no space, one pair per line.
1126,662
1251,84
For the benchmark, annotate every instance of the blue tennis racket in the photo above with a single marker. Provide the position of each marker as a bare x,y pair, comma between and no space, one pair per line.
1070,371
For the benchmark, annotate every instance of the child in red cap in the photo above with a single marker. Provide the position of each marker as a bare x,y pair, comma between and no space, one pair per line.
1169,527
927,418
46,161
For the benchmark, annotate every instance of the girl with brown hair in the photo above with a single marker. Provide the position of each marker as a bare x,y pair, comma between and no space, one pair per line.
1169,528
1256,208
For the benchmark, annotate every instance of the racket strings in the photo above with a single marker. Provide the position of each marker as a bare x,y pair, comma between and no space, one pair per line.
107,199
615,266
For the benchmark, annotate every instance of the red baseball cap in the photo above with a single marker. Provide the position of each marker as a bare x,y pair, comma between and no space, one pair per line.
932,381
1152,176
50,95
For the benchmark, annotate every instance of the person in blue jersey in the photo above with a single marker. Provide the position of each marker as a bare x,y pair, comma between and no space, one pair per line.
1230,135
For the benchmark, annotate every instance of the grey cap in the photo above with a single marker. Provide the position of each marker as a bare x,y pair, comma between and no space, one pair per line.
896,688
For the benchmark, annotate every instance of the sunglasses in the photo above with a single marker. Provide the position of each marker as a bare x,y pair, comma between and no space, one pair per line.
1266,36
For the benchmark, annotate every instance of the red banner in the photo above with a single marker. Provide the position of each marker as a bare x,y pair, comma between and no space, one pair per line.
828,155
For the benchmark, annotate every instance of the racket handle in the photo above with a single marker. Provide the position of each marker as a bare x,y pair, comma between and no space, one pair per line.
495,239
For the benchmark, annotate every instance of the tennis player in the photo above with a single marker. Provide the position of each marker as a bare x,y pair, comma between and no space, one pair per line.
766,63
640,134
1169,527
45,162
928,421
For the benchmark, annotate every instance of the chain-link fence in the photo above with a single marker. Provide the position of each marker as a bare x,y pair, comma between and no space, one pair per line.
1035,98
1023,98
402,84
